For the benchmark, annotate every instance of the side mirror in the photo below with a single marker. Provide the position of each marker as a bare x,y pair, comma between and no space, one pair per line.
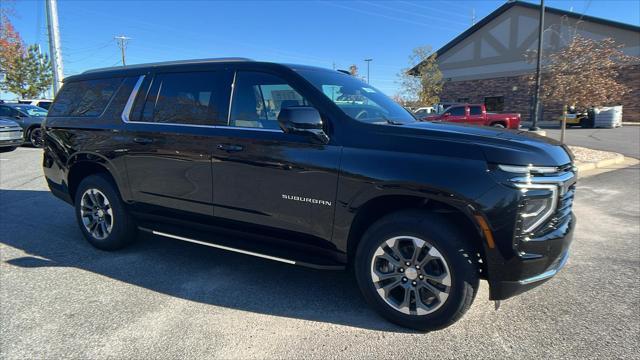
302,120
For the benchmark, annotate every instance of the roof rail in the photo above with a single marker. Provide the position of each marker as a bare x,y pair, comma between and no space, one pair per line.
166,63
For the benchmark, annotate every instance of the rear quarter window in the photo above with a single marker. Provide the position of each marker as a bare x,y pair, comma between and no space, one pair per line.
86,98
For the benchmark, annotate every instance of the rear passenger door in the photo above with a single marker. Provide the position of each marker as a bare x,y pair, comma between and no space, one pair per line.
265,177
476,116
170,132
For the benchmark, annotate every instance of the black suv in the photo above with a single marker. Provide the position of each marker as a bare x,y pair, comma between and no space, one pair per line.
311,167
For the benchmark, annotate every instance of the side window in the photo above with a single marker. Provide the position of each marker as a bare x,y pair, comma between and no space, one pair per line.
5,111
85,98
196,98
457,111
475,110
258,98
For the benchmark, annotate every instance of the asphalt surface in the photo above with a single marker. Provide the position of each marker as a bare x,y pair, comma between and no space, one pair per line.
624,140
61,298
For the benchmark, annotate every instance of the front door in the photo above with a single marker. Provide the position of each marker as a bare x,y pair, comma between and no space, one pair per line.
170,136
266,177
456,114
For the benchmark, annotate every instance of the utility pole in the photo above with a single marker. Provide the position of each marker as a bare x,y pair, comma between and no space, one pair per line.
54,44
368,63
122,43
536,94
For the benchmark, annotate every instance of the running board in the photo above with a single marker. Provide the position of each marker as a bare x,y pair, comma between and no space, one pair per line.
241,251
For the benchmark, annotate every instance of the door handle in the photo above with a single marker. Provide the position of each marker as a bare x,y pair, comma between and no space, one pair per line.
230,147
142,141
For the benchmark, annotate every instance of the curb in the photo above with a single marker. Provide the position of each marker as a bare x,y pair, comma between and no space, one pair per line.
625,123
591,165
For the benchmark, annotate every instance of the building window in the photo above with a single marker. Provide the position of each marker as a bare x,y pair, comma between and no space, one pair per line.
463,100
494,103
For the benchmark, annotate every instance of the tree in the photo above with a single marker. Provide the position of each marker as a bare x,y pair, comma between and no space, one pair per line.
29,75
11,46
585,73
421,83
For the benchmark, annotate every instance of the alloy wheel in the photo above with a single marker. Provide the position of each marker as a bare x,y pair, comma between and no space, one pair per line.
35,137
96,213
411,275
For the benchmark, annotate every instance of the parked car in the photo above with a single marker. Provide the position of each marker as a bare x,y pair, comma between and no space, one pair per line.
43,103
311,167
10,135
29,117
424,111
476,114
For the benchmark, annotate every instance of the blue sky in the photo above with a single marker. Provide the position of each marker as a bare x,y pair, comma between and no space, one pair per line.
308,32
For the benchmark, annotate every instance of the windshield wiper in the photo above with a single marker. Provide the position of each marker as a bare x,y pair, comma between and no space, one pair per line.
391,122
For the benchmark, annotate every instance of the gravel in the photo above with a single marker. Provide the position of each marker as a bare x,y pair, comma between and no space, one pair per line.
591,155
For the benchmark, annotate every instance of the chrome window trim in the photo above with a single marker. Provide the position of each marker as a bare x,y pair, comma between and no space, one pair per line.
233,91
126,112
249,128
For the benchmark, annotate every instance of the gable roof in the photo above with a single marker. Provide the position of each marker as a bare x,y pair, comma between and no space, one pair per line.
510,4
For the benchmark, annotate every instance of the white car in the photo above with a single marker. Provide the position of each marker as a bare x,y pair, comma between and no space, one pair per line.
424,111
43,103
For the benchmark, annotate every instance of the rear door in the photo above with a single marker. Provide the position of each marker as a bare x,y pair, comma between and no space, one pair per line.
265,177
170,134
476,115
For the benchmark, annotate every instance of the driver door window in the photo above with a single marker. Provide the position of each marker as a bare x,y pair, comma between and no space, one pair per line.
457,111
258,99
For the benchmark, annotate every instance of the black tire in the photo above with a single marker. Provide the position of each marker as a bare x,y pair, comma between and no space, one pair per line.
448,240
123,229
7,149
34,136
498,125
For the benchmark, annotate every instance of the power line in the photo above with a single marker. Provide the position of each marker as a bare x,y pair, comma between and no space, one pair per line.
122,43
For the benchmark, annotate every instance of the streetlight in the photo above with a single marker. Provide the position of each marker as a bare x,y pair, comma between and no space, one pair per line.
368,62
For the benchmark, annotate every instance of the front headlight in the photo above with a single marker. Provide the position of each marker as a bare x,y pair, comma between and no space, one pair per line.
538,205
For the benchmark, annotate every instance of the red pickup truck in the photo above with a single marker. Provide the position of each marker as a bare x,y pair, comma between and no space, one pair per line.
475,114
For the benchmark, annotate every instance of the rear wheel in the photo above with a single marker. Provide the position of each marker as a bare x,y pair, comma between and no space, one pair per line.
101,214
498,125
413,267
35,137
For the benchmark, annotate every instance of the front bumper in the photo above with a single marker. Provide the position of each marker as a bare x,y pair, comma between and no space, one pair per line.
11,142
523,273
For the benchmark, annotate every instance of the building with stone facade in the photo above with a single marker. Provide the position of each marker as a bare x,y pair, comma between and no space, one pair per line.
487,63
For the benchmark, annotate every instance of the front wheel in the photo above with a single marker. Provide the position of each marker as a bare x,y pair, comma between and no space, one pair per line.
414,268
498,125
101,214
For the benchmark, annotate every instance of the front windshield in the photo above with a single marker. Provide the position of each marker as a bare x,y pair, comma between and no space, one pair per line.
31,110
356,98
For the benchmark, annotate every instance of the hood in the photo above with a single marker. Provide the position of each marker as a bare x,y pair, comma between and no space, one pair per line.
8,123
512,147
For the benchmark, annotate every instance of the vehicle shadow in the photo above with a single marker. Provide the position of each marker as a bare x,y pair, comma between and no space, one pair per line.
44,227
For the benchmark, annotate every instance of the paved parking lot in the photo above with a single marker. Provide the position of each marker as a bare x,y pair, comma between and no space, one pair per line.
624,140
59,297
